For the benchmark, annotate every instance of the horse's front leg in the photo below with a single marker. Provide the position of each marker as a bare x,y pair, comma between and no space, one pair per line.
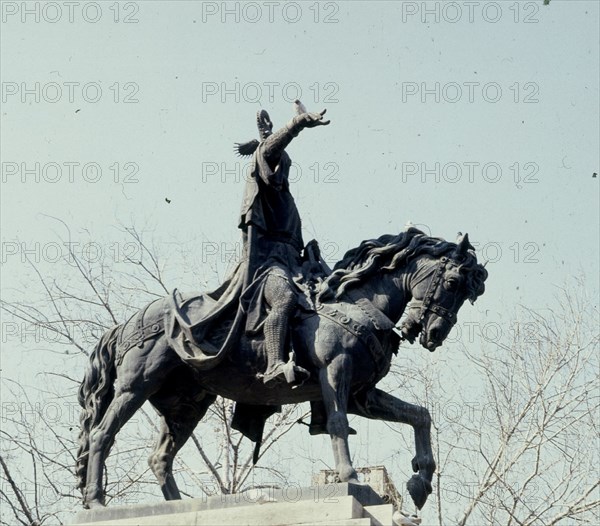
377,404
335,384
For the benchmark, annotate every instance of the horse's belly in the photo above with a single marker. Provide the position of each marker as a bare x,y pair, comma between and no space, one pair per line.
233,384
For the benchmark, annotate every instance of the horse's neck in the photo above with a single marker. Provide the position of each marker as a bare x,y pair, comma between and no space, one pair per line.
388,292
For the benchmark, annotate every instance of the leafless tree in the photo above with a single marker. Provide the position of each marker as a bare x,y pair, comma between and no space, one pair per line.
516,427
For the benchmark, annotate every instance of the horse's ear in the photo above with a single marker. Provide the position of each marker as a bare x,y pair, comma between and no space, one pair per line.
463,245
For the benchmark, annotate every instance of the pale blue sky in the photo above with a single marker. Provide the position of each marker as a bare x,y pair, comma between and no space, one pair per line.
362,61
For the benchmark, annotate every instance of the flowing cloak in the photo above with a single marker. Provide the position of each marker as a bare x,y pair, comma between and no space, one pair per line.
272,234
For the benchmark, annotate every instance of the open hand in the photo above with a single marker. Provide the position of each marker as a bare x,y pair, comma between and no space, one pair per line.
310,120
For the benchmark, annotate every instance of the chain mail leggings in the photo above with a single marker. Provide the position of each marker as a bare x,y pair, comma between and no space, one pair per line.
281,299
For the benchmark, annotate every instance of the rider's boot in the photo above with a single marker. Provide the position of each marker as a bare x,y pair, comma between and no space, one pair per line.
275,330
278,371
283,302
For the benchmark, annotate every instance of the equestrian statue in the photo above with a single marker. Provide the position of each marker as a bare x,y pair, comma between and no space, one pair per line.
282,329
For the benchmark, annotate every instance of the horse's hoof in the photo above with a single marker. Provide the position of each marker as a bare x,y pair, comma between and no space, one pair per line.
419,490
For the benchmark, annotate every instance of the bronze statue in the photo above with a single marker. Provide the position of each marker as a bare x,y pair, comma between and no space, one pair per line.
181,351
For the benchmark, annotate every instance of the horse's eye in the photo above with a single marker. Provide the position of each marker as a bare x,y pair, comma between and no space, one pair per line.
451,284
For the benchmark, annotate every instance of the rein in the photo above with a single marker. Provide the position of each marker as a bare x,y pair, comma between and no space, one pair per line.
427,303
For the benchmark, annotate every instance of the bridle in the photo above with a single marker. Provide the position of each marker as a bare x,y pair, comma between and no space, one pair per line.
427,303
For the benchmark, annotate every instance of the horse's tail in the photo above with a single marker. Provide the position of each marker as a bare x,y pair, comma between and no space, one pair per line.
95,393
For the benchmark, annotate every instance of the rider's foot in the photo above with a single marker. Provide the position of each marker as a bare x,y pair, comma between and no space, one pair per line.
283,372
274,374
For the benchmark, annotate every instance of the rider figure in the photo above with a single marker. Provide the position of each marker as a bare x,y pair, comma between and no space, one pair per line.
272,234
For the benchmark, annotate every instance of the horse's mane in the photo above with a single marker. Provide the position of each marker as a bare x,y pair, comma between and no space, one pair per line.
390,251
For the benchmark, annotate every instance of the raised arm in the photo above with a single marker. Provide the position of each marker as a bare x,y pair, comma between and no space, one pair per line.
278,141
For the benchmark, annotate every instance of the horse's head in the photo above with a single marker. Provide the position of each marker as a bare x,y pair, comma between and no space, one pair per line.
439,287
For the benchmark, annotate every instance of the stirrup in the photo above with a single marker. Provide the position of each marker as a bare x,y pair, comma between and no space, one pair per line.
294,374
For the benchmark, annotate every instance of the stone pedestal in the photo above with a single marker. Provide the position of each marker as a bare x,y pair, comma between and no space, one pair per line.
375,476
330,504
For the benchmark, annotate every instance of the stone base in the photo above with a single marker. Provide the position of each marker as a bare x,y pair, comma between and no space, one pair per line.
375,476
331,504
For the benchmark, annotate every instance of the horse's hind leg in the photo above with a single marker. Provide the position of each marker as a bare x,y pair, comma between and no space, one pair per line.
379,405
335,386
180,414
119,411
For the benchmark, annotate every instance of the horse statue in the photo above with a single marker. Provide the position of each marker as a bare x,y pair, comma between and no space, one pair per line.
346,344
